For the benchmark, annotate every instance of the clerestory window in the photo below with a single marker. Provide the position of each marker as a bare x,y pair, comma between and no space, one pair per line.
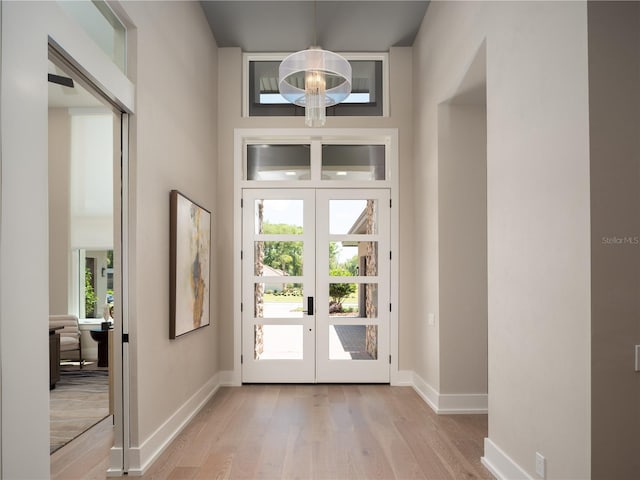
103,26
264,100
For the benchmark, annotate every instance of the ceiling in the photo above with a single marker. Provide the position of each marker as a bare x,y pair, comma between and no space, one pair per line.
287,26
340,26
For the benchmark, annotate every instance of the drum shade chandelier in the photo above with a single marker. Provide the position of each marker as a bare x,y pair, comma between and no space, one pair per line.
314,79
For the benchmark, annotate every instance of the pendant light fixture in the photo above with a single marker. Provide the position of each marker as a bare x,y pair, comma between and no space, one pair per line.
314,79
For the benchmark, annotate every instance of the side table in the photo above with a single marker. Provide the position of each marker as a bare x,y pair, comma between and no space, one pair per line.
54,356
102,337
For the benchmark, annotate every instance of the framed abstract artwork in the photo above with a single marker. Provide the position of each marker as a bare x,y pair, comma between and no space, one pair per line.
190,259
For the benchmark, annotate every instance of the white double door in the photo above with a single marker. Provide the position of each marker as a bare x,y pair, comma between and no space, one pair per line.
315,285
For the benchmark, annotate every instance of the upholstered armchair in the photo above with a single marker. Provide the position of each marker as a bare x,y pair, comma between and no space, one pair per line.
70,345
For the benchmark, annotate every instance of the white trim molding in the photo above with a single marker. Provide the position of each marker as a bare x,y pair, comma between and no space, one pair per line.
142,457
447,403
115,458
500,464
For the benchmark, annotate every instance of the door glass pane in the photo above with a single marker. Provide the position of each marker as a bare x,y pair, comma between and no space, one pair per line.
278,300
358,300
278,259
353,217
353,342
278,162
352,259
353,162
279,217
278,342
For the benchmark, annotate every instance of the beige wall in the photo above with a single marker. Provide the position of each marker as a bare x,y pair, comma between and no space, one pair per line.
537,218
229,92
614,118
59,154
173,61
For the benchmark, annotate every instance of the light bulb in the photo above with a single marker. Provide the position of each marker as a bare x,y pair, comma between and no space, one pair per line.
315,89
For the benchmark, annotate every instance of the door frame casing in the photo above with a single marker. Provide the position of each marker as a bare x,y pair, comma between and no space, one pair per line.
387,136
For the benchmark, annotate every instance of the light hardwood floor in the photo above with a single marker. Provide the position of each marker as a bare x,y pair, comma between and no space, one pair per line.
321,432
86,457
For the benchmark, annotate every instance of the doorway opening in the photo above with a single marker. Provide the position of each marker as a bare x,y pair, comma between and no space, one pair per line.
317,260
463,245
85,144
316,285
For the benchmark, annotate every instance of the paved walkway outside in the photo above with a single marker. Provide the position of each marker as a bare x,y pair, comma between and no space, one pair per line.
346,342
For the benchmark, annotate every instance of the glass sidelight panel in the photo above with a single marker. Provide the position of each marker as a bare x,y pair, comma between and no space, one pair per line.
352,259
353,217
279,217
353,300
278,342
278,259
353,342
278,300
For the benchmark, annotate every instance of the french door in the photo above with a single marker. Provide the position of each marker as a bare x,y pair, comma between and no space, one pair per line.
315,285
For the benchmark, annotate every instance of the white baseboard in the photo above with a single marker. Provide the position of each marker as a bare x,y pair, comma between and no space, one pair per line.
446,403
115,458
500,464
427,392
141,458
464,403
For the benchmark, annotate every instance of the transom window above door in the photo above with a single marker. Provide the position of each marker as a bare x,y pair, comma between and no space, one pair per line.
317,160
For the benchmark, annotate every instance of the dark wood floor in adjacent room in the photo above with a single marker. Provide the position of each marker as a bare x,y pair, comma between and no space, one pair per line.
323,432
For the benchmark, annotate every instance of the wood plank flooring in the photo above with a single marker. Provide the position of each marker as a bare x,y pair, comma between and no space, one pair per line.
324,432
306,432
86,457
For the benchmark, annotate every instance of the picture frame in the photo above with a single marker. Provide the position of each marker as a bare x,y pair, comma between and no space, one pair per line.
190,261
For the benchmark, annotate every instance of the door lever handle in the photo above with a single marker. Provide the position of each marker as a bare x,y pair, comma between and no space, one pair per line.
309,310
